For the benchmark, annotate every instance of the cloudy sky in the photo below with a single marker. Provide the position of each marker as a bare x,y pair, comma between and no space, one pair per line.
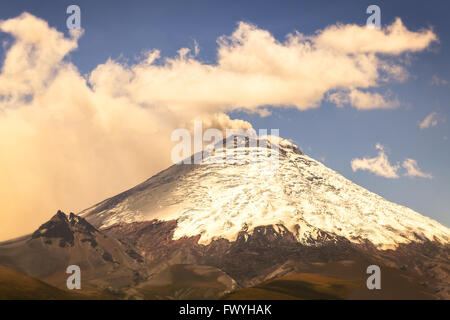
87,114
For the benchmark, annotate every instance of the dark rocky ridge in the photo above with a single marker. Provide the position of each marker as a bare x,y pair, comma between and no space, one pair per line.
63,228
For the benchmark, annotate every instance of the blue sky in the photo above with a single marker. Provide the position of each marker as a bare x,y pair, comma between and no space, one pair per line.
123,29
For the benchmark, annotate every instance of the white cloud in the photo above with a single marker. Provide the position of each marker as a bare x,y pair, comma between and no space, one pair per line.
378,165
363,100
394,39
413,169
81,139
254,69
381,166
436,81
430,120
394,72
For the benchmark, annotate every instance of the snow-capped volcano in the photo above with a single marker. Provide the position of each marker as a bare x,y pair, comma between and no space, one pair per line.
258,201
242,186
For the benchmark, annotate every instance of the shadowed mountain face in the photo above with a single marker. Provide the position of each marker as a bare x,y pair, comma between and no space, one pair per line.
261,250
62,241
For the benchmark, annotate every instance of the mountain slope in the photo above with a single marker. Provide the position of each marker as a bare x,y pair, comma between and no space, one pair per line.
186,281
14,285
318,286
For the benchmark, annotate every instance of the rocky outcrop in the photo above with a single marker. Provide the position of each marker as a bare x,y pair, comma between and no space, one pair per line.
71,240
